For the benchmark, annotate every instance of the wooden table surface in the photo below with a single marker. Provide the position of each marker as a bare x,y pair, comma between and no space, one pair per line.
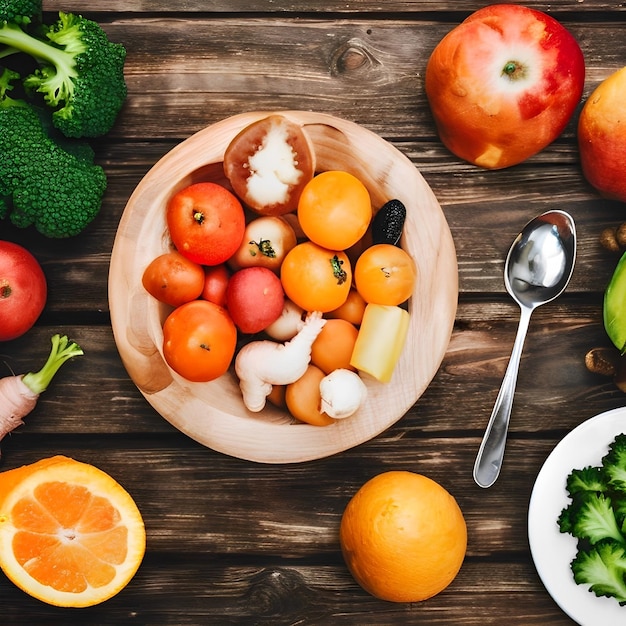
234,542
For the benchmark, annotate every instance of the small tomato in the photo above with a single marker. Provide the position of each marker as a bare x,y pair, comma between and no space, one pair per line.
265,243
173,279
304,400
385,274
335,210
315,278
216,279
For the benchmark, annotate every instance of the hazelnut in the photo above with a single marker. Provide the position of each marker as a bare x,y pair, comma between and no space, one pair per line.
603,361
608,239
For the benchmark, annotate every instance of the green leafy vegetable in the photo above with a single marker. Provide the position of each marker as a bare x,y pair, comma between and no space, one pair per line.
596,516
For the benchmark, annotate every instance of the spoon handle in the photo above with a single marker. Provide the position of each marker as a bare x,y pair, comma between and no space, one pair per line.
491,452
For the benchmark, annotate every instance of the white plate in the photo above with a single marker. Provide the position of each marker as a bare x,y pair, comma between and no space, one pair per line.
552,550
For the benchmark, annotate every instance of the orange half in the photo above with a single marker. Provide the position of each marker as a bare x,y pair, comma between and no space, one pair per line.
70,535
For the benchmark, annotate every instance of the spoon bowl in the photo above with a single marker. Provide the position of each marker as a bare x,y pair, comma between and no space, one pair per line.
538,268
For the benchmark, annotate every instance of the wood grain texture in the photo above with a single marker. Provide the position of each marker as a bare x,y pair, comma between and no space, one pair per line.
236,542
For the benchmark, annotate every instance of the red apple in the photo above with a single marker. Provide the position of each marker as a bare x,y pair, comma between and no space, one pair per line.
602,137
503,84
254,298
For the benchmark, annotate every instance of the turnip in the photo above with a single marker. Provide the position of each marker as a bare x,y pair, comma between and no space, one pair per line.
19,394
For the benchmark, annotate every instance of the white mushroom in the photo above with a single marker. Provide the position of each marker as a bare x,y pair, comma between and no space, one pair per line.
343,392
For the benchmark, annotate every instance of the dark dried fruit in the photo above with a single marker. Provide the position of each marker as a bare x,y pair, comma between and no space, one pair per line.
388,223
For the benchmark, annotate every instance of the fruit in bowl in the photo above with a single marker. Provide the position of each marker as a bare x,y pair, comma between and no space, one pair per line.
503,84
213,412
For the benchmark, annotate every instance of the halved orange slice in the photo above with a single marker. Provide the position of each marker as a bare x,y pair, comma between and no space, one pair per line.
70,535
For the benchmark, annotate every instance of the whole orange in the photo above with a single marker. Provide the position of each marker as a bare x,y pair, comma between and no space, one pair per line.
334,210
315,278
385,274
403,537
333,347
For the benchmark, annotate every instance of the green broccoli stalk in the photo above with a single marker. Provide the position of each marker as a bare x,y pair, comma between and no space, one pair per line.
51,184
80,73
62,350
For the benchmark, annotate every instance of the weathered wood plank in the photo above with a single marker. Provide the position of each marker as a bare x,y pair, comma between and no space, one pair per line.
562,8
211,591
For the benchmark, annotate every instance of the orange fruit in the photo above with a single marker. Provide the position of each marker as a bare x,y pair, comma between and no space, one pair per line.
351,310
332,348
403,537
316,278
304,400
334,210
70,535
385,274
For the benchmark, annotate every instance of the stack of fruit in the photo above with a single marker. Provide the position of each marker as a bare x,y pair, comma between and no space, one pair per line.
277,274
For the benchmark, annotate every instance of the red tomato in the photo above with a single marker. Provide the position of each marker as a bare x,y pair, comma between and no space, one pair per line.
23,290
216,279
199,340
173,279
206,223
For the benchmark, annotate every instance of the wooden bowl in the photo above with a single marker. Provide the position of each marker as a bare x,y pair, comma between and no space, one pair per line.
213,413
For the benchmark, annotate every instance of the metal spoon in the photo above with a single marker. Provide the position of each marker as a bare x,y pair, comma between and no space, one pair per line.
537,270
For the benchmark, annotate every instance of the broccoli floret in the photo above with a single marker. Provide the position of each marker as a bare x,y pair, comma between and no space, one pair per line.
614,463
42,182
585,480
19,11
603,567
596,517
595,520
80,73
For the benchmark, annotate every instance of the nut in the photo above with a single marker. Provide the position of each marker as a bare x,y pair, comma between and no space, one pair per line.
620,235
604,361
608,239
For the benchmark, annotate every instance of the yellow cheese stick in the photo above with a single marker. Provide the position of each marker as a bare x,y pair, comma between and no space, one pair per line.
380,340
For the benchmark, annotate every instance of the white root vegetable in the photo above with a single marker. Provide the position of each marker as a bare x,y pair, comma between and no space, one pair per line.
343,392
286,327
19,394
262,364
